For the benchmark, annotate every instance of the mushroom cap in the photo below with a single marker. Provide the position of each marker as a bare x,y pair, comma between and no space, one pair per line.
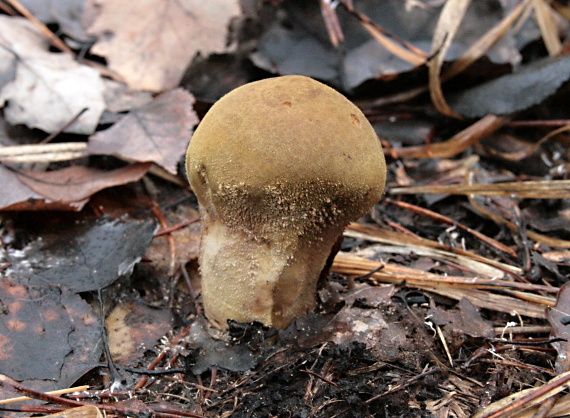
285,153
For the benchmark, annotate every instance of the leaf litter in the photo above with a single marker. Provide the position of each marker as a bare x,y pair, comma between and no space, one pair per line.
448,299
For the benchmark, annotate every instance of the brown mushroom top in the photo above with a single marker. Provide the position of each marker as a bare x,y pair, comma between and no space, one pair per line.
289,145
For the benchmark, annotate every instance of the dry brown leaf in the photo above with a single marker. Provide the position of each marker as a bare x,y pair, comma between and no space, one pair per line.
530,85
151,44
66,189
466,320
17,196
49,89
158,131
78,183
447,26
30,336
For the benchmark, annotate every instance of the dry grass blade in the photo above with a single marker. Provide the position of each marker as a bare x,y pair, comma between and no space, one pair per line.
514,405
455,287
548,189
447,26
431,248
543,14
441,218
457,144
493,301
479,48
332,24
355,265
401,49
58,43
43,152
552,134
543,239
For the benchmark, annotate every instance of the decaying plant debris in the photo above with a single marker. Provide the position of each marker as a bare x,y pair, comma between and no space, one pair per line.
448,299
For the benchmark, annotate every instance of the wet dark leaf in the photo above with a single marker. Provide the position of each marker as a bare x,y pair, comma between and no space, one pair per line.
85,256
34,330
298,42
211,352
514,92
133,328
40,326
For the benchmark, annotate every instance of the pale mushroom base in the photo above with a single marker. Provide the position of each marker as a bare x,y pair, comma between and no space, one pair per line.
247,279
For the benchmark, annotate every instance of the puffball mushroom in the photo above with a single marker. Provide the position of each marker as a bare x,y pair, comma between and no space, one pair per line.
279,167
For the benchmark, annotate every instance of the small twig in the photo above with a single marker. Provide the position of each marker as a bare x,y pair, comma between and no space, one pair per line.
331,23
404,385
526,343
540,123
142,381
116,378
58,43
442,218
370,273
444,343
64,127
180,225
193,294
145,371
324,379
5,380
53,392
157,212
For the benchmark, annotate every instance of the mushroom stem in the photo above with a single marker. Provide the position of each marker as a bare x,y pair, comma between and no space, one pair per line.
250,279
